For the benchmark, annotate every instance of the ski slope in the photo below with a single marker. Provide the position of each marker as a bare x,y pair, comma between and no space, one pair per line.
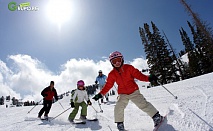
192,111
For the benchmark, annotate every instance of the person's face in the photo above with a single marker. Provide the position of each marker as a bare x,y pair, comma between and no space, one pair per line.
100,73
51,85
117,61
81,87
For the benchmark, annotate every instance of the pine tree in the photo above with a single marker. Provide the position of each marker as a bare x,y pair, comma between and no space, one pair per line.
177,63
193,68
201,51
203,40
159,56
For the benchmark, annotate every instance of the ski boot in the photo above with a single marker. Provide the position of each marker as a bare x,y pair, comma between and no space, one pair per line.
157,118
120,126
83,118
39,116
46,117
70,120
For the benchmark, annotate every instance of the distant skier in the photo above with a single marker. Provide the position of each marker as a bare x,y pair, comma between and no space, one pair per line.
124,75
77,99
101,80
48,93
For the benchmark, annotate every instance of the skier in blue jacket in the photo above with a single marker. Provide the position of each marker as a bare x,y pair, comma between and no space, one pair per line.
101,80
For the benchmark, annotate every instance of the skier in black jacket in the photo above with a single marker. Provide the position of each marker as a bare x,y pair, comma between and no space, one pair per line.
48,93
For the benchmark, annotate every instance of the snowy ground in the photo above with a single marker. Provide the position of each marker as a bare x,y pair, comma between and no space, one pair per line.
192,111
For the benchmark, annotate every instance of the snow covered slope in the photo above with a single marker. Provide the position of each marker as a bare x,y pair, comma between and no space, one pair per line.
192,111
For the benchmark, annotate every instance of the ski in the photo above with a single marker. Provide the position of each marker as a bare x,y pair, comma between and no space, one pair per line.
44,119
123,130
79,122
95,119
47,119
158,126
88,119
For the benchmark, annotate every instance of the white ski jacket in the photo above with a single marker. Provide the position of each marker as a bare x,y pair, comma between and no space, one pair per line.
80,95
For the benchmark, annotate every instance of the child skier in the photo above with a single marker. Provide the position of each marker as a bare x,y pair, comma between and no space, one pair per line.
77,99
124,75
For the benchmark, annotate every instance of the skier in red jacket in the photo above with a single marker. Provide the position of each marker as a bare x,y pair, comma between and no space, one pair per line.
124,75
48,93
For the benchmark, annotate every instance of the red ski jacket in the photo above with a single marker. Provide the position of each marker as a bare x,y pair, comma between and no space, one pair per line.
48,94
124,77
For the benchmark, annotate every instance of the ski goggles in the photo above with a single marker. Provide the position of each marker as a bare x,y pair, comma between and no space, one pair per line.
115,60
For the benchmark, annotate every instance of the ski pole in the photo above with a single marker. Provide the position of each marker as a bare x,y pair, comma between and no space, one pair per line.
61,105
60,114
201,119
100,107
34,106
167,90
96,110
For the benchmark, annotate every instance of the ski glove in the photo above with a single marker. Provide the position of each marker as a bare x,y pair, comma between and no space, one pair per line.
153,78
72,104
89,102
98,96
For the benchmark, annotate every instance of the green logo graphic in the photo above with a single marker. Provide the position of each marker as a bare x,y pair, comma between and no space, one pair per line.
12,6
26,4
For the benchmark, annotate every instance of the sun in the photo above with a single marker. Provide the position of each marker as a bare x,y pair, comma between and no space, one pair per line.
59,11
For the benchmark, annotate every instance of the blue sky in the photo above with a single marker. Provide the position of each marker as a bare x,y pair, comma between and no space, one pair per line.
36,49
95,28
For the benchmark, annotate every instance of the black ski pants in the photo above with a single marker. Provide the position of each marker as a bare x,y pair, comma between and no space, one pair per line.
46,108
